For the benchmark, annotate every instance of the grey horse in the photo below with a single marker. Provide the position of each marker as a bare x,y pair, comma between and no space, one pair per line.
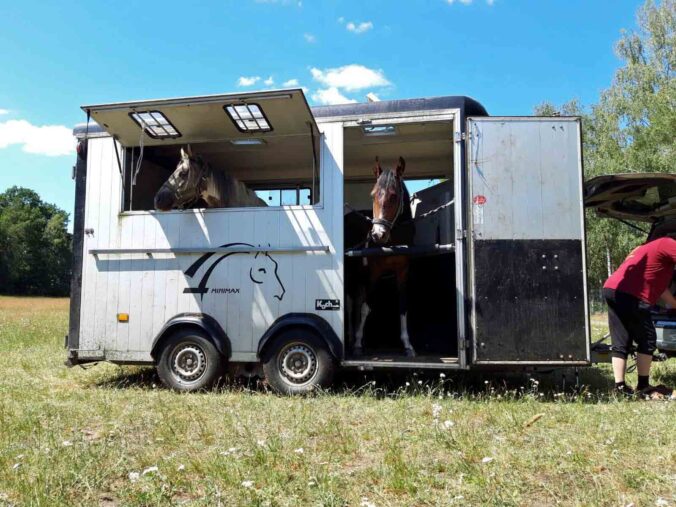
194,179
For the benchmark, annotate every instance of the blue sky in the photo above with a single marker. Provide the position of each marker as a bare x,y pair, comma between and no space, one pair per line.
508,54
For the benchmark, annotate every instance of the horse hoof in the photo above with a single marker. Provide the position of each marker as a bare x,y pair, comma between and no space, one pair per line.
410,352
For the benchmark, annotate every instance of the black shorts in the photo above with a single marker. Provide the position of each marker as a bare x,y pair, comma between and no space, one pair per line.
630,321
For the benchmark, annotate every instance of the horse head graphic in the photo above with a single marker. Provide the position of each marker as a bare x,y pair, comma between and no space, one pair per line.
264,270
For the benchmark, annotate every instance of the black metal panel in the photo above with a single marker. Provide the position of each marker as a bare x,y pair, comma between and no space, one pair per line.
530,303
73,341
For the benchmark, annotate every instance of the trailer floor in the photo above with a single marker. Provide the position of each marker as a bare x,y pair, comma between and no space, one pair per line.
398,360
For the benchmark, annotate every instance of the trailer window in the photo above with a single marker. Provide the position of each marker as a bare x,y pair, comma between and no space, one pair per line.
248,117
155,124
286,196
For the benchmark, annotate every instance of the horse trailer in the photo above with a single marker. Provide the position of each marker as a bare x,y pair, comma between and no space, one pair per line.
235,231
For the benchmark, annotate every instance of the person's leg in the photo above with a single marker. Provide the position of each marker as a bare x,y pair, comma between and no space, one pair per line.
619,334
619,368
646,339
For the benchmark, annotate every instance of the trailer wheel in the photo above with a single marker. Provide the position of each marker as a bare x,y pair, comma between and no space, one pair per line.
189,361
298,362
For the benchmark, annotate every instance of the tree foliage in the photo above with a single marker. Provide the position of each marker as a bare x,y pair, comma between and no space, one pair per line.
35,247
632,128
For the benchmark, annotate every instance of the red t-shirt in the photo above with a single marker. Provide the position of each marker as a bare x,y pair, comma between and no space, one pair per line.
646,272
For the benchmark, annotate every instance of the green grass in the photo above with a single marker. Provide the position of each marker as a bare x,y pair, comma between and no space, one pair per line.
73,436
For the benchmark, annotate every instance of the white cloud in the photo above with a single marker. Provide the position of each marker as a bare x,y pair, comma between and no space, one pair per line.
341,20
359,28
269,81
4,111
465,2
330,96
50,140
290,83
350,77
248,81
310,38
490,2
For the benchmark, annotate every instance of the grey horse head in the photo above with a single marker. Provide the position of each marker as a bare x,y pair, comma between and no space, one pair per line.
185,183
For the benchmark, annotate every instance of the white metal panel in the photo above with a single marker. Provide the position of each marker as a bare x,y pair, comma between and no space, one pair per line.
152,289
525,178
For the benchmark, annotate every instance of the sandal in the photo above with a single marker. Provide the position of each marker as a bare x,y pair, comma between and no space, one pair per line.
659,392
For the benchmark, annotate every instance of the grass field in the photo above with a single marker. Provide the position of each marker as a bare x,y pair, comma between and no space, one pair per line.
113,436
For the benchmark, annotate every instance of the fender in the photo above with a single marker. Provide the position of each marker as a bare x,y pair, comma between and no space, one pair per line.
206,322
308,320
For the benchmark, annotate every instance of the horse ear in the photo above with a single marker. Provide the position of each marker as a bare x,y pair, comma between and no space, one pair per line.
188,150
377,170
184,154
401,166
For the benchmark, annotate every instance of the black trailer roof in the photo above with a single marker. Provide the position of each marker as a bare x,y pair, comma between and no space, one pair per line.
467,106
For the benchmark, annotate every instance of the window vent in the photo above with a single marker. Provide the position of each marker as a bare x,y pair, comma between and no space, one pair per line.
379,130
248,117
155,124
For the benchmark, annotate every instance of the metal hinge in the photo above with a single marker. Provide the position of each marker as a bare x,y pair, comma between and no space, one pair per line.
461,233
458,137
464,344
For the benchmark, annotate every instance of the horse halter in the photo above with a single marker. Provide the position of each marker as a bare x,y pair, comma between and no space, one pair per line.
188,194
389,224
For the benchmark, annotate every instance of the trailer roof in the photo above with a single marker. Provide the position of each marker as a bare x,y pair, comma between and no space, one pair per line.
467,106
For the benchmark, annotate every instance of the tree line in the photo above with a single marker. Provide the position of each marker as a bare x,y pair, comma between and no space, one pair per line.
35,246
631,129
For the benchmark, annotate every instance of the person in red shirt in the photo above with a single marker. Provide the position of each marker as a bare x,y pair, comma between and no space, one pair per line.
640,281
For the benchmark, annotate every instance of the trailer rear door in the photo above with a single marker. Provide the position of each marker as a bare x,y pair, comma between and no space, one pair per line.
526,241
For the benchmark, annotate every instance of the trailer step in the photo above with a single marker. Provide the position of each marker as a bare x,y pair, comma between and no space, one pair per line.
371,361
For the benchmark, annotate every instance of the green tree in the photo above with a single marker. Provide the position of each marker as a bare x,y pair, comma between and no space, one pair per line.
632,127
35,247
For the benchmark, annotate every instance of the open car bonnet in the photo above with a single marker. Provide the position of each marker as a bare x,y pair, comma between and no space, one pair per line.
646,197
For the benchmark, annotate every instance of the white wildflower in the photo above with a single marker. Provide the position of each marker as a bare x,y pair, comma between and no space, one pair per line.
487,459
134,476
260,443
300,450
365,503
20,456
247,484
15,466
442,375
180,468
66,443
150,470
448,424
436,410
661,502
419,382
408,384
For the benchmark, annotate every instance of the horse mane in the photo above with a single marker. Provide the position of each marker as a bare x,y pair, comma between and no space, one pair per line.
226,191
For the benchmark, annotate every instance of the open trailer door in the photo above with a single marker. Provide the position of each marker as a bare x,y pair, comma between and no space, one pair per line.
526,241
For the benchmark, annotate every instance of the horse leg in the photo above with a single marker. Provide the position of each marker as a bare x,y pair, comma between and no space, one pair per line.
403,313
364,313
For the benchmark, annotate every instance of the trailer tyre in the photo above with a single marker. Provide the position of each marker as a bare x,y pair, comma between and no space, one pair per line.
189,361
298,362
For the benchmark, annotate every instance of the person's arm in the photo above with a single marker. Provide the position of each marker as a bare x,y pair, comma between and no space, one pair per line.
668,298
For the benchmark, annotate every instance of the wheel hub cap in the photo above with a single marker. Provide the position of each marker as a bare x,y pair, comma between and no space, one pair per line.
298,363
189,362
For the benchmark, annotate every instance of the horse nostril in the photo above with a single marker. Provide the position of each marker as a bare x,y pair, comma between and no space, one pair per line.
164,200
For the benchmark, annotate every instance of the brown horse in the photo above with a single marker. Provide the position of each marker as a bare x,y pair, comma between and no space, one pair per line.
391,208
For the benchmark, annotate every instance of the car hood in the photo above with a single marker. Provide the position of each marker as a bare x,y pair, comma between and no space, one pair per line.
644,197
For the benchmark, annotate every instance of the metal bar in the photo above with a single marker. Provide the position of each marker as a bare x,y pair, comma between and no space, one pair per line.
198,250
385,251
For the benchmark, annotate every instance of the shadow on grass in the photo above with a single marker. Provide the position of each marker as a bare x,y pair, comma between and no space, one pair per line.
592,384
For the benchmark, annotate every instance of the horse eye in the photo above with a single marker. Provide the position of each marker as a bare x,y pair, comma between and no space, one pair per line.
262,270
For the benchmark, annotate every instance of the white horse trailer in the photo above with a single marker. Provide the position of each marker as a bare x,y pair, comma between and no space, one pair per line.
498,214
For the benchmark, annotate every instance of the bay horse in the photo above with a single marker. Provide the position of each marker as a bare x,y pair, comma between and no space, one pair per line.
194,179
391,209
